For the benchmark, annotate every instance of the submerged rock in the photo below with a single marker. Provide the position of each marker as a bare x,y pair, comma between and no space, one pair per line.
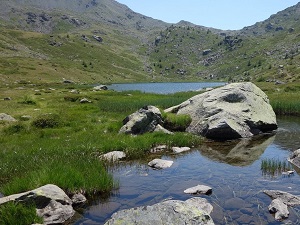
53,205
160,163
237,110
199,189
285,197
190,212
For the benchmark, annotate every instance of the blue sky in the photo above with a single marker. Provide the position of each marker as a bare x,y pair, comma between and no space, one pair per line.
222,14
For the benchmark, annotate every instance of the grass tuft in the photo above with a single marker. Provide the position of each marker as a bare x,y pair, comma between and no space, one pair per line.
12,213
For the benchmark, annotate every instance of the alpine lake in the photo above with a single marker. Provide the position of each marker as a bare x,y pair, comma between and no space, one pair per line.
233,169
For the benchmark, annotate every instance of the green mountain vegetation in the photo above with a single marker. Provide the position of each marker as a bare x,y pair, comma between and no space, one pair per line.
102,41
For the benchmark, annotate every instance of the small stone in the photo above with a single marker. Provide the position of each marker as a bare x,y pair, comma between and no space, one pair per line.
160,163
159,148
113,156
100,88
85,100
74,91
6,117
78,199
279,208
199,189
179,150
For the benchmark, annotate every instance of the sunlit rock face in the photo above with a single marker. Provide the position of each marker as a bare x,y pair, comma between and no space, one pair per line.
237,110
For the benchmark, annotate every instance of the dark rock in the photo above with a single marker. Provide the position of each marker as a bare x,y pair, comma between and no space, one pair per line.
144,120
78,199
98,38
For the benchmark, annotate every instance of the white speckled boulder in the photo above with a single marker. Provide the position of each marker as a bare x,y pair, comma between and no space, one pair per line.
194,211
237,110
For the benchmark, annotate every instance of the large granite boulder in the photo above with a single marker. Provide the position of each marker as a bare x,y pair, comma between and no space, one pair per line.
53,205
190,212
144,120
237,110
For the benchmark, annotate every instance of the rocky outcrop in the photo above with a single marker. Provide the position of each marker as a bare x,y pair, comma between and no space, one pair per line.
144,120
53,205
237,110
192,211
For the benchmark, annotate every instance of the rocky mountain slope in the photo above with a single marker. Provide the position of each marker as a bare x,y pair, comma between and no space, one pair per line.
103,41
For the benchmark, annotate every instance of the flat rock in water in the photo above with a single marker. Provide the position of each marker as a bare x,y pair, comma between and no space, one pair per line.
160,163
194,211
113,156
286,198
199,189
279,208
237,110
180,149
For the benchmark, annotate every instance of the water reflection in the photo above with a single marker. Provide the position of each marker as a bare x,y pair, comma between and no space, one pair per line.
239,152
232,169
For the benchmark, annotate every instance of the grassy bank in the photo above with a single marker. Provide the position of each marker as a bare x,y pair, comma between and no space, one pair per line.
284,98
59,140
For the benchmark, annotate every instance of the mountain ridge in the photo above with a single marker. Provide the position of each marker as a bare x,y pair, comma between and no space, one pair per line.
105,41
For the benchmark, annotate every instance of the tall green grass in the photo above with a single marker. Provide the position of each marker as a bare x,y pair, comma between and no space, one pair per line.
283,98
12,213
63,140
274,167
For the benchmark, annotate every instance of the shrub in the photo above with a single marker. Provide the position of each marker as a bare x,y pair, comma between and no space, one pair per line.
15,128
28,100
71,98
47,121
